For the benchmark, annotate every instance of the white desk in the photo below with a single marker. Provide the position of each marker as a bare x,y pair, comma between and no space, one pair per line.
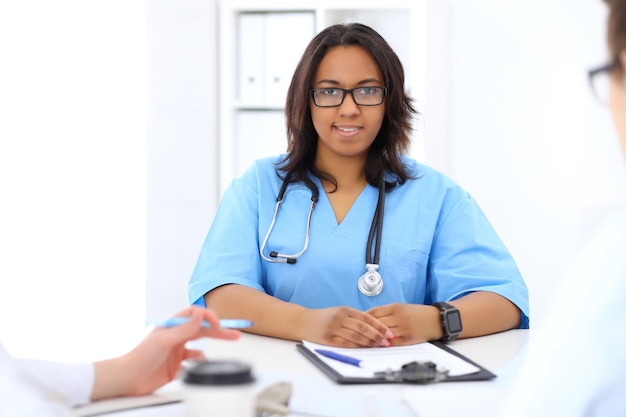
276,360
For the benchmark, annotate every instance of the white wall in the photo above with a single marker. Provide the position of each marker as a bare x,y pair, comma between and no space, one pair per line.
509,115
182,145
108,168
72,176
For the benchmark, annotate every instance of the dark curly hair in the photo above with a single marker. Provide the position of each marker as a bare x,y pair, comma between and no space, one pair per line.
393,138
616,27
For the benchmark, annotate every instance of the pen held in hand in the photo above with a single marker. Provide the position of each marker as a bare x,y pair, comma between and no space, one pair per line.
224,323
339,357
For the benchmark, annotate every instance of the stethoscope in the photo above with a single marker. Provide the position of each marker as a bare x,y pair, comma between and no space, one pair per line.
371,282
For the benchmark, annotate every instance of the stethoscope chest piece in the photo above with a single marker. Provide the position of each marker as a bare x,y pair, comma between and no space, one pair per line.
371,283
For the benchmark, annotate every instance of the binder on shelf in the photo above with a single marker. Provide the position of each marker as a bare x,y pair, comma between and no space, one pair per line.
286,37
269,47
420,363
251,50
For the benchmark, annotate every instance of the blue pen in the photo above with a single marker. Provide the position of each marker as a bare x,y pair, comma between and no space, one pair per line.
224,323
339,357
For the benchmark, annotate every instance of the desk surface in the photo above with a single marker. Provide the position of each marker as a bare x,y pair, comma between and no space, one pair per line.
275,360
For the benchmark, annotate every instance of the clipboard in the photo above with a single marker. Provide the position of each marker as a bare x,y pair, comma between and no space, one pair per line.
481,375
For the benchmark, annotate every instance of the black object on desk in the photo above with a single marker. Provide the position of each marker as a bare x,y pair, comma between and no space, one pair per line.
410,373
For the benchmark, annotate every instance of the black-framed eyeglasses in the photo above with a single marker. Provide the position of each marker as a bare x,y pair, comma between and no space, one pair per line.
362,96
599,79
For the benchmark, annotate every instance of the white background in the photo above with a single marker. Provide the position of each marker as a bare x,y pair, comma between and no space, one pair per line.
107,151
73,176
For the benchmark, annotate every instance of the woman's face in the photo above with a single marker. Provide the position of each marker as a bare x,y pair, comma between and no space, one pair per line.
347,130
617,102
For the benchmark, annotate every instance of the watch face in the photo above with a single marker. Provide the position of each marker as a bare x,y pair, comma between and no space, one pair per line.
454,322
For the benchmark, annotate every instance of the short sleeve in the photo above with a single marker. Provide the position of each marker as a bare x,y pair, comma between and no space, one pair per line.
467,256
233,233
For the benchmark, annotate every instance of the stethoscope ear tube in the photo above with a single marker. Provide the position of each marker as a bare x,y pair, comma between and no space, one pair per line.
281,257
371,282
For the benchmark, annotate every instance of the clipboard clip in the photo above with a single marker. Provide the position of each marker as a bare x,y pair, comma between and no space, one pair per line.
415,372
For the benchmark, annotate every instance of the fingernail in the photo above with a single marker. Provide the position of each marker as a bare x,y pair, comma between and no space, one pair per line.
385,343
389,335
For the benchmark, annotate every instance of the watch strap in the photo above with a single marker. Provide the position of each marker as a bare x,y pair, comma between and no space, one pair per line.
450,319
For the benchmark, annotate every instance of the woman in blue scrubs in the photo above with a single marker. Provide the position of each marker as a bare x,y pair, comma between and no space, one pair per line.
365,240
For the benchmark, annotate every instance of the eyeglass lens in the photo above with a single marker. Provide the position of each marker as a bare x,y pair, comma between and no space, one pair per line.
363,96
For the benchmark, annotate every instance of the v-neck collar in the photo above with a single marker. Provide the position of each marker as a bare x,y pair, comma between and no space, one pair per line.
364,205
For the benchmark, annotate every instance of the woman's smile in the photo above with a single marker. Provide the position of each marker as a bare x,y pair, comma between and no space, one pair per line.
348,131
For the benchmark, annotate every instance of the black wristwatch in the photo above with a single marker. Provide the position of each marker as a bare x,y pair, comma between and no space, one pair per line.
450,321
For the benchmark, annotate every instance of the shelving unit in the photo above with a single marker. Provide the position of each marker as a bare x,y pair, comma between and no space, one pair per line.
259,48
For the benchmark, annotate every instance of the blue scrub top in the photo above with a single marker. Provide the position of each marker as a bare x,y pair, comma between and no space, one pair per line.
437,245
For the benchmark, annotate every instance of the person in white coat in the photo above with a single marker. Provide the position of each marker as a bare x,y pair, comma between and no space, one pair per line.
576,365
49,389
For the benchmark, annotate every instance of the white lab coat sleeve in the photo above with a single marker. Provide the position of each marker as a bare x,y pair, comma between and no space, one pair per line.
43,389
71,383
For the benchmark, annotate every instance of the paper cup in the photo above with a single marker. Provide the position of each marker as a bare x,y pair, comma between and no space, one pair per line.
220,388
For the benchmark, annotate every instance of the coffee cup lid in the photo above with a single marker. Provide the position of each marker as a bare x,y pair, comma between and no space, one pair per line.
219,372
